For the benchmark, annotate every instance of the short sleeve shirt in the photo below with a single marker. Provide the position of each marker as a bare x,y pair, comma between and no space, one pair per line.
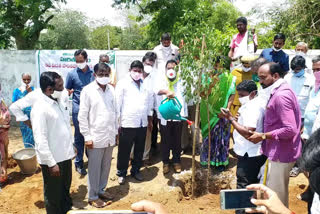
76,80
279,57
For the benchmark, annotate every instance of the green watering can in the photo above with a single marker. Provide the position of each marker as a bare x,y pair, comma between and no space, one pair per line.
170,110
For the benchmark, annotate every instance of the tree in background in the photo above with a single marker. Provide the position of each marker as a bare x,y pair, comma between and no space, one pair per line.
69,31
99,37
24,20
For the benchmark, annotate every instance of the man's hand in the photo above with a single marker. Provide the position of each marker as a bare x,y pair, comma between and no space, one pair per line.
89,144
28,123
148,206
70,91
226,114
28,88
170,94
117,139
256,137
270,202
54,171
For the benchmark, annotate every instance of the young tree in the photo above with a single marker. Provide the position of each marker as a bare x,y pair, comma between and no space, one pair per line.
24,20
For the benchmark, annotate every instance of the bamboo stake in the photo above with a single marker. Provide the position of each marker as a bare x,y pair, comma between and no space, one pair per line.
196,124
209,142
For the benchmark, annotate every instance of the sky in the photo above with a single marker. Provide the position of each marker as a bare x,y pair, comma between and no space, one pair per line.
98,9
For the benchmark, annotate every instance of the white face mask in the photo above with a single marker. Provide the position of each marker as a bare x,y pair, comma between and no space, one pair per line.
136,76
276,50
82,65
300,53
246,69
103,80
171,74
56,94
244,100
148,69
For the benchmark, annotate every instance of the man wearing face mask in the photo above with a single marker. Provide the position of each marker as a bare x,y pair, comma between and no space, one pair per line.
171,130
241,73
165,51
134,104
104,58
148,61
53,144
276,54
302,50
313,105
251,112
98,124
75,81
281,134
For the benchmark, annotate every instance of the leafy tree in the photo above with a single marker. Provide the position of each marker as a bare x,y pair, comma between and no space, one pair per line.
68,31
24,20
99,37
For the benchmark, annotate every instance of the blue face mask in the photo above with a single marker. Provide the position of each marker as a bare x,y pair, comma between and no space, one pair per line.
299,74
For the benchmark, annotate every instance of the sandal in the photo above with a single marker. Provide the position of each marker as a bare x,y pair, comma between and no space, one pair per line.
98,203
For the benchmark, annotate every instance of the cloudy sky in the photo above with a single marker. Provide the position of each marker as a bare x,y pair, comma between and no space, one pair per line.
98,9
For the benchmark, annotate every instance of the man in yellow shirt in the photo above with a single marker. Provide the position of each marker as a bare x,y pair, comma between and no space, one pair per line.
242,72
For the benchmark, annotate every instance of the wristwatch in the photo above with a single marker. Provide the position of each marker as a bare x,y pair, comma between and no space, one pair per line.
263,136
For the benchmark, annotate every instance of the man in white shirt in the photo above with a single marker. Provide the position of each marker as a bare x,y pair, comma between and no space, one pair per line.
165,51
148,61
251,113
53,143
98,125
302,50
134,104
170,85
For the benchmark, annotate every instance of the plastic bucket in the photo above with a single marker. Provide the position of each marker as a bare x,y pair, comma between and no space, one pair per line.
27,160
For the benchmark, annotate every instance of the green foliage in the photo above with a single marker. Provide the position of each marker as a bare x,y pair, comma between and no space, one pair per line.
24,20
299,20
68,31
99,37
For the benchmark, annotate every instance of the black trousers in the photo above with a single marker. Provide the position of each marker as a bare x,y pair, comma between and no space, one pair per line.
248,169
57,189
171,139
129,137
154,134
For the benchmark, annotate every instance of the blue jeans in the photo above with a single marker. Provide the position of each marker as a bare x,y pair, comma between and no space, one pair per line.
78,141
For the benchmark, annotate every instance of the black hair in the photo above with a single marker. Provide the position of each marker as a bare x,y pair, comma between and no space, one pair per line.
310,160
81,52
151,56
165,36
101,66
279,36
136,64
247,85
103,55
298,62
259,62
48,79
276,68
171,61
243,20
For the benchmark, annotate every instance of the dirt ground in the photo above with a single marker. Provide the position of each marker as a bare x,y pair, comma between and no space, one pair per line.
24,194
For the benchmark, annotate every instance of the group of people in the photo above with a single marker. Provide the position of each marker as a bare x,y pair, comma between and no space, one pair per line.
270,112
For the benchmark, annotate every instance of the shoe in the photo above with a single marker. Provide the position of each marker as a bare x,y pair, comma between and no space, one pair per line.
295,171
97,203
106,196
121,180
81,171
166,168
177,167
221,168
138,176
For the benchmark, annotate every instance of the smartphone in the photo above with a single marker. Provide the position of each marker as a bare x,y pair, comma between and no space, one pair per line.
105,212
237,199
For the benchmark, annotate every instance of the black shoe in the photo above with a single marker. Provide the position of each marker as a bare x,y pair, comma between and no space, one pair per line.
138,176
221,168
81,171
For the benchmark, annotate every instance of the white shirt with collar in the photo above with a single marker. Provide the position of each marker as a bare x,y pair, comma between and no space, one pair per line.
251,115
97,115
149,83
164,54
17,107
134,103
52,131
302,87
